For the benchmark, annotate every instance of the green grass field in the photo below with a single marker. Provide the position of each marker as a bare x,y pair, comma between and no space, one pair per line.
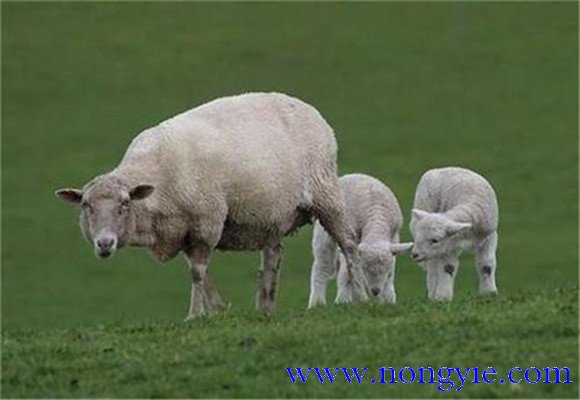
243,354
406,86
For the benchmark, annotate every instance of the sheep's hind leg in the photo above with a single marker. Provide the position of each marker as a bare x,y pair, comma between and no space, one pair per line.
329,209
268,278
486,265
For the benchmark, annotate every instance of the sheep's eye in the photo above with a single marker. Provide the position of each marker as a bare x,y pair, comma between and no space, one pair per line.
87,207
434,241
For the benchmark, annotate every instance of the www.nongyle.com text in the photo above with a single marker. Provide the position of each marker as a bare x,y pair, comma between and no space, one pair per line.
445,378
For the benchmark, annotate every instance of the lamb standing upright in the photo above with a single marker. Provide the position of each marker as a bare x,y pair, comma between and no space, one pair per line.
455,210
238,173
374,213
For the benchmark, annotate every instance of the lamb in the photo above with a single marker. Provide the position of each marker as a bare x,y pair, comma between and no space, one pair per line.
374,213
455,210
237,173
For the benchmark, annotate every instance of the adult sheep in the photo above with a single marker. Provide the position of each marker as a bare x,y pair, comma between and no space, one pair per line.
237,173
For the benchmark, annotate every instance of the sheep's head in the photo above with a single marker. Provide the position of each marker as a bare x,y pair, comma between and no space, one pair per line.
434,234
378,261
105,211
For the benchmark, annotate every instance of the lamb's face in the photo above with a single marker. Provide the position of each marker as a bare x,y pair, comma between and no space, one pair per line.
434,235
105,211
378,263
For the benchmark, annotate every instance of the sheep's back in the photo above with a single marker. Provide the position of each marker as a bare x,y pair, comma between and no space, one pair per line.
257,152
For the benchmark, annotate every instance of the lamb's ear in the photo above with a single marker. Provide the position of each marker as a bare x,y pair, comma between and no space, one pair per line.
397,248
140,192
418,214
73,196
453,227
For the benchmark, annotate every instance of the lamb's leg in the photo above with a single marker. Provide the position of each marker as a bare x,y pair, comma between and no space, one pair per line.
441,274
324,266
388,294
329,209
344,287
268,278
432,277
198,259
485,261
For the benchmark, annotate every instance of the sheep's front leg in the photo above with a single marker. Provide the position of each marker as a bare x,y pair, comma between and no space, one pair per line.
198,259
268,278
485,261
441,277
213,299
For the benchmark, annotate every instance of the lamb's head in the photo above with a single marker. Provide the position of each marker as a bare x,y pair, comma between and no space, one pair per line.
106,204
434,234
378,261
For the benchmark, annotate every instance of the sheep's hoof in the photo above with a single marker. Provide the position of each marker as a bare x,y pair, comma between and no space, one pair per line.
192,317
218,308
267,308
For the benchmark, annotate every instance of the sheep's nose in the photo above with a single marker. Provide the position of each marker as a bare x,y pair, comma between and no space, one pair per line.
375,292
105,243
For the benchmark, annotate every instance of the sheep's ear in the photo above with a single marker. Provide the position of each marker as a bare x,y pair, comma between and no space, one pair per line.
73,196
455,227
397,248
418,214
140,192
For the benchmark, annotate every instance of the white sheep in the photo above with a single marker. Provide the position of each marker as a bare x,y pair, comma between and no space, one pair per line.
455,210
374,213
238,173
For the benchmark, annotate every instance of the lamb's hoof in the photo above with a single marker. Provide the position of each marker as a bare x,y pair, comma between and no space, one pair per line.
440,299
343,299
361,296
315,304
388,301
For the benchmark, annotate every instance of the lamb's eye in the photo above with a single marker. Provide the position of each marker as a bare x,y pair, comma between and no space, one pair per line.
434,241
87,207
